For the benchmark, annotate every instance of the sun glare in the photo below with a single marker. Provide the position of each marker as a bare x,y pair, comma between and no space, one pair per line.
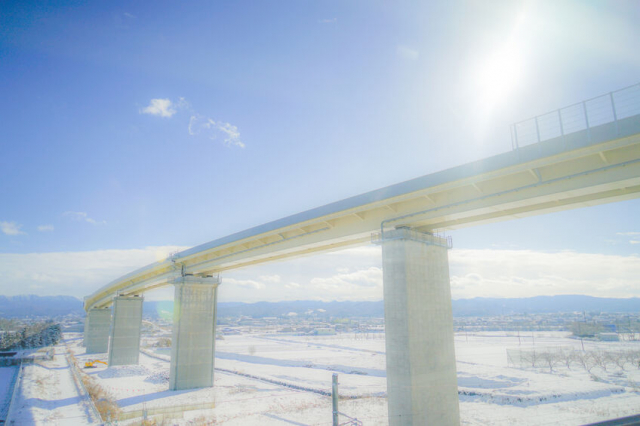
498,75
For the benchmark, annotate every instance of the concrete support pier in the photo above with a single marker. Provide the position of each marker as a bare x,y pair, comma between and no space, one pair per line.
193,338
422,383
96,330
126,320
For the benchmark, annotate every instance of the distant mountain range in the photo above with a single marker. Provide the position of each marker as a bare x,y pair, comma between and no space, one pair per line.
39,306
53,306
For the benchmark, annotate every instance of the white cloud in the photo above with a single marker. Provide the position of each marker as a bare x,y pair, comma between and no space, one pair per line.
407,52
45,278
11,228
362,284
45,228
356,274
243,283
292,286
328,21
527,273
270,278
72,273
213,129
159,107
474,273
83,217
371,277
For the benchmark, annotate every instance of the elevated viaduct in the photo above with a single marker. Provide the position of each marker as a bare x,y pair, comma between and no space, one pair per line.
582,155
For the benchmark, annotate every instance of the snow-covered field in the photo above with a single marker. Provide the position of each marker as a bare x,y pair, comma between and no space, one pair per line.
48,395
279,380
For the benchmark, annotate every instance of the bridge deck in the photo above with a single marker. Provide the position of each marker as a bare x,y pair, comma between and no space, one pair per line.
596,165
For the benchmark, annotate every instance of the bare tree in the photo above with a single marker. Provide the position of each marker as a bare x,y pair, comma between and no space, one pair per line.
550,359
633,357
600,358
585,360
567,356
619,359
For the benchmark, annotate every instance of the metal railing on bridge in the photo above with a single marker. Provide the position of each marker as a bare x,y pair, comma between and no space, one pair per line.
604,109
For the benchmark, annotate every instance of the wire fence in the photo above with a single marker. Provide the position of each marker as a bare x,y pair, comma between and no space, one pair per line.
584,116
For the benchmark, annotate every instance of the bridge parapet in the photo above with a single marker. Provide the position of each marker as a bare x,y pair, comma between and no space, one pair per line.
611,108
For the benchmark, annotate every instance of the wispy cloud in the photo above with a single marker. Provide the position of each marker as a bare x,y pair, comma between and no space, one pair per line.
407,52
160,107
11,228
83,217
328,21
635,236
45,228
212,129
129,15
198,124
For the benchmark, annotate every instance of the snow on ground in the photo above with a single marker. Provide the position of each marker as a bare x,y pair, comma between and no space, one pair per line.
48,394
7,379
238,400
492,392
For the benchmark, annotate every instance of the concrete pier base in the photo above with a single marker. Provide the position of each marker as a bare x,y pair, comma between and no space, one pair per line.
193,338
96,330
126,320
422,385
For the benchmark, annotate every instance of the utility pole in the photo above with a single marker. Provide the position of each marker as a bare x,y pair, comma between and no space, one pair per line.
334,398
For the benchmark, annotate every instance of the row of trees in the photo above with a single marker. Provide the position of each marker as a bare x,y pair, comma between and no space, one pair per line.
626,330
34,335
552,358
585,329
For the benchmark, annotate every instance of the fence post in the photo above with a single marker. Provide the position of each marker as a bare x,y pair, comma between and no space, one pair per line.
564,140
586,120
615,115
538,135
334,398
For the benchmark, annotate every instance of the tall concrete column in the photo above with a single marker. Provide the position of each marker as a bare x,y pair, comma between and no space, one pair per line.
124,344
422,384
193,338
96,330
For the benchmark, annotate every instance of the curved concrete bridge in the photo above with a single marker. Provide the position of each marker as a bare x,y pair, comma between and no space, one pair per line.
583,158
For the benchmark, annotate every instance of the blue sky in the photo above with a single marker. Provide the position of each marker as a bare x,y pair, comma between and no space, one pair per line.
266,109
